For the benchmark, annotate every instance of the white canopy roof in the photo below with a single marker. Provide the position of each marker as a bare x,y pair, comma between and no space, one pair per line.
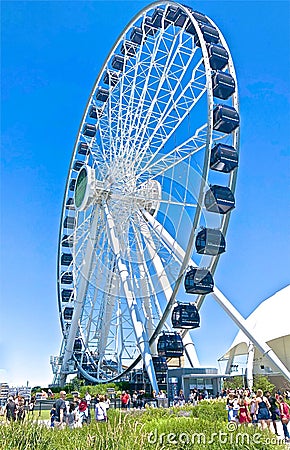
271,322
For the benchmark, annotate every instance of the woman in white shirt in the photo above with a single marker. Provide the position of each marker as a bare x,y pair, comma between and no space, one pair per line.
101,410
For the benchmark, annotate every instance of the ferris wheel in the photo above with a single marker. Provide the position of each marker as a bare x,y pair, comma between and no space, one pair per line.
148,196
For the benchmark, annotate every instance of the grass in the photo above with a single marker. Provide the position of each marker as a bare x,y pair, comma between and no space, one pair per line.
188,428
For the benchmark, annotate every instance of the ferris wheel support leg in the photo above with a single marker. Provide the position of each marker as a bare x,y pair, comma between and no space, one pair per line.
140,332
250,363
256,340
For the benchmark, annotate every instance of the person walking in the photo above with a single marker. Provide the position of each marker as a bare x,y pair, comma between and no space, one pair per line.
10,409
60,410
285,416
263,410
274,410
101,410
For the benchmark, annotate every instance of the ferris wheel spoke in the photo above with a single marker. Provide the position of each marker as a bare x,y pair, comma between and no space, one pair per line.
172,117
145,106
175,156
146,287
176,62
140,332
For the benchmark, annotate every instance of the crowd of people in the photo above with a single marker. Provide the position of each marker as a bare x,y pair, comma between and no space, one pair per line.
16,408
77,412
245,407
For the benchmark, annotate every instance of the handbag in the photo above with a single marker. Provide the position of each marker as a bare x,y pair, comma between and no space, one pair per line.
285,420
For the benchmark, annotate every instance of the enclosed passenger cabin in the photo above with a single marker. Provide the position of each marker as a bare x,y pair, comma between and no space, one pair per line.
89,130
157,17
219,199
210,34
83,148
66,259
170,345
78,165
69,222
148,27
223,85
93,112
185,315
111,78
70,203
201,19
102,94
129,48
118,62
66,278
72,185
136,35
218,56
68,313
67,295
225,119
78,345
198,281
67,240
210,242
160,364
224,158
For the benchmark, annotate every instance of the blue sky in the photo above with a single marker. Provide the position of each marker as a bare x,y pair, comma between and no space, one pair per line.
51,55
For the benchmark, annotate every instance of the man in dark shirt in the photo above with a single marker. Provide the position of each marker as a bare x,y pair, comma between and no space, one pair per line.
60,409
274,409
10,409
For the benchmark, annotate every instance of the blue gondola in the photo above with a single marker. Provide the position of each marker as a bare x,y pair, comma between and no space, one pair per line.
66,295
118,62
210,34
225,119
70,203
72,185
185,315
224,158
198,281
219,199
78,345
78,165
129,48
67,241
210,242
89,130
136,35
102,94
170,345
223,85
111,78
83,148
218,56
157,17
66,259
66,278
160,364
69,222
68,313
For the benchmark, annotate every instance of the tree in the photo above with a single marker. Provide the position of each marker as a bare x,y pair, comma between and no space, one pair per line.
262,382
236,382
